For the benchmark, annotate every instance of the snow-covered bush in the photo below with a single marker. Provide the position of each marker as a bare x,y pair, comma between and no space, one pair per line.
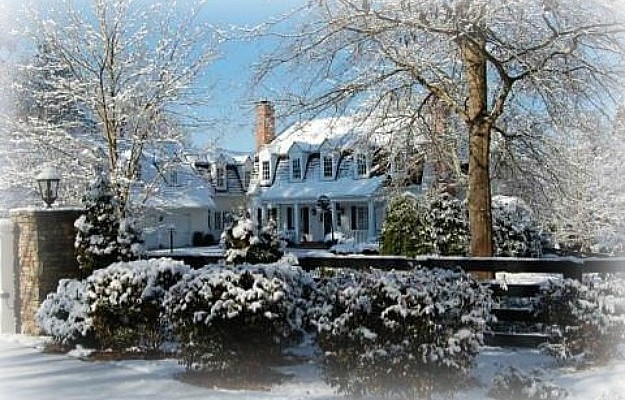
435,223
400,233
104,237
242,245
125,302
512,384
586,319
238,319
399,333
516,231
64,314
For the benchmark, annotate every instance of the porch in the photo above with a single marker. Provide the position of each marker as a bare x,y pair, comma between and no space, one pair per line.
305,222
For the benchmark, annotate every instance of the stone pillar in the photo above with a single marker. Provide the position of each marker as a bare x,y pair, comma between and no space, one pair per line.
45,255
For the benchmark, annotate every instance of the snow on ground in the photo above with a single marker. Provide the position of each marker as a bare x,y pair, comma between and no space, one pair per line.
28,374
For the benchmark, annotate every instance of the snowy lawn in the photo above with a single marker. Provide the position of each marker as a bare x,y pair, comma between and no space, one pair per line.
27,373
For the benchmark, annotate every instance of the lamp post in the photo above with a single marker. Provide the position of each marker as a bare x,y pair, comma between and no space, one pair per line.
48,181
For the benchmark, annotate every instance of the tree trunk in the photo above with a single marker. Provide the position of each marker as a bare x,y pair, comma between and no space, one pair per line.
480,219
479,126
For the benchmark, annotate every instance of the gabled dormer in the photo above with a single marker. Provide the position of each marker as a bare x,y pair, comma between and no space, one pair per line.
297,156
266,166
219,173
246,171
328,160
362,164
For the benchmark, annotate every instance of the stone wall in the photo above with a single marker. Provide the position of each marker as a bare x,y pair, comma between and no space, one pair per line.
45,254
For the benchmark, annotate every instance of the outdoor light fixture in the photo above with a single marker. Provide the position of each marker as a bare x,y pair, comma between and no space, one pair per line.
48,182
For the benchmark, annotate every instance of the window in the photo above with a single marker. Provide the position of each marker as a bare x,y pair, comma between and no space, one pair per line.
247,177
361,165
173,178
360,218
218,222
289,218
220,177
327,166
266,172
296,168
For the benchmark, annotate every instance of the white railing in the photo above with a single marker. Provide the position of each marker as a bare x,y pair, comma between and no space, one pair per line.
359,235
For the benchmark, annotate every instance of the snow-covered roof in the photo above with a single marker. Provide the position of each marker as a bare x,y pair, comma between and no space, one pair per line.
187,197
340,133
346,188
230,157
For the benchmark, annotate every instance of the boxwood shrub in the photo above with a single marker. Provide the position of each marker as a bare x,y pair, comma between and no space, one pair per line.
239,319
399,333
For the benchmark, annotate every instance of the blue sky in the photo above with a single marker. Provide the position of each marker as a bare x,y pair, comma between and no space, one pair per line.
231,97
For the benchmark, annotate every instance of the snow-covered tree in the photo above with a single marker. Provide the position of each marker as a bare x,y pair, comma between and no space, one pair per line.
243,244
435,223
517,68
516,231
588,215
132,69
103,236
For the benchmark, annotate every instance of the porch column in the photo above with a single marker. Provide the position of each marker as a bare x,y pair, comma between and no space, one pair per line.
263,213
296,222
371,220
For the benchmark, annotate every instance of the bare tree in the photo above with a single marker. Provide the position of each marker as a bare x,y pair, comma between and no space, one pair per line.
514,67
113,78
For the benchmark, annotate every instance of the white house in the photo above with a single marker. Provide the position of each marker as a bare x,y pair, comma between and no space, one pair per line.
329,157
177,201
229,174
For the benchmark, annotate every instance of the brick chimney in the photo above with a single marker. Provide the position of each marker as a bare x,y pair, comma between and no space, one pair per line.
265,123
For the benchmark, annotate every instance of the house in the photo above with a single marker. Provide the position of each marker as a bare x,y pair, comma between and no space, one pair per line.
328,160
229,174
176,200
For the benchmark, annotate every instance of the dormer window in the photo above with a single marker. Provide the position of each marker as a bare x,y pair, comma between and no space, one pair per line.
328,167
220,177
173,178
361,165
247,177
266,172
296,168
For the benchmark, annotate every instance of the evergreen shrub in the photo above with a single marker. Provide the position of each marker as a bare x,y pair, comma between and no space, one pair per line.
243,244
512,384
64,314
125,302
586,319
516,231
435,223
104,236
405,334
237,320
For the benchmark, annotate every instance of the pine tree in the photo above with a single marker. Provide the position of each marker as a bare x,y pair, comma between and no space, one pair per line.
103,237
